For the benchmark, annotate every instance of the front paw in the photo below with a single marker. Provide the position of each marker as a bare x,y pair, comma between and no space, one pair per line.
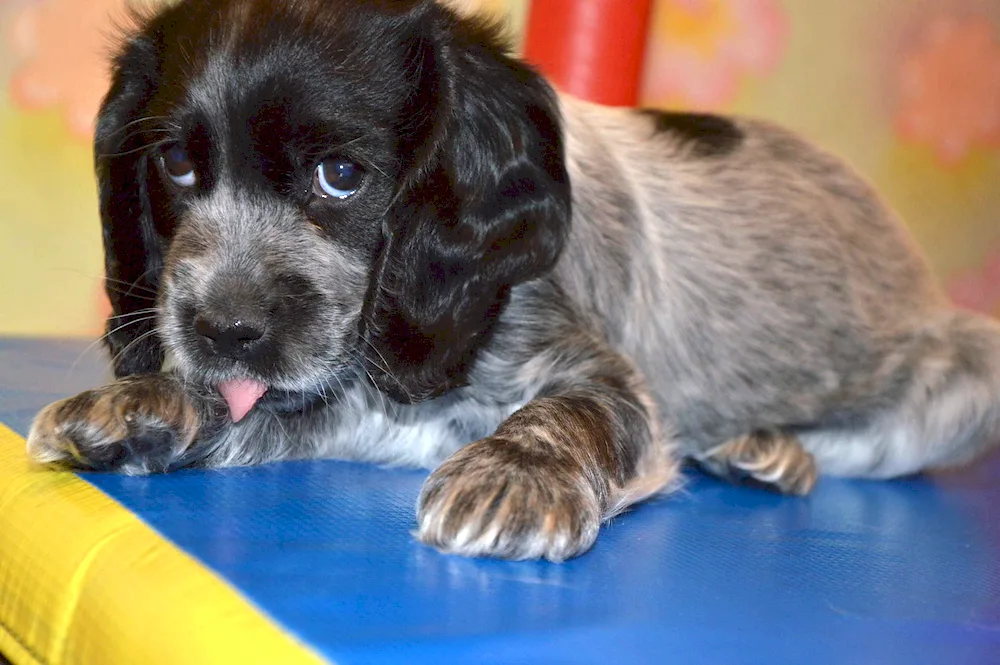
503,499
139,424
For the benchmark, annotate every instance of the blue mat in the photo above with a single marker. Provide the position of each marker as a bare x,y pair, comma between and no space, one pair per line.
859,573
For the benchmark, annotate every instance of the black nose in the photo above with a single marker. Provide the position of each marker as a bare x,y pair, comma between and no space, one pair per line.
233,338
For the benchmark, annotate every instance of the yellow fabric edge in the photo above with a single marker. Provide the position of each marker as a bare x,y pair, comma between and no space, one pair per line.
83,580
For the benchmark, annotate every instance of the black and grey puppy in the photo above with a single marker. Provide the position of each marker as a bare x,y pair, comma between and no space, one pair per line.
362,230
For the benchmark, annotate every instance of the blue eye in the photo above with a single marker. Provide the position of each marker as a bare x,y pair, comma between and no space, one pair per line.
178,166
337,177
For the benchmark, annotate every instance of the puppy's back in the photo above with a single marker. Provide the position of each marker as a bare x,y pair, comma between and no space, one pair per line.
732,256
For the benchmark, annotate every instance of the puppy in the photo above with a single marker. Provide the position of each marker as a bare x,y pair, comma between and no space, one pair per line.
362,230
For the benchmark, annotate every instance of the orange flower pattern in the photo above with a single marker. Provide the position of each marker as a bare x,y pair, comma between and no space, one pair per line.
63,47
949,88
701,50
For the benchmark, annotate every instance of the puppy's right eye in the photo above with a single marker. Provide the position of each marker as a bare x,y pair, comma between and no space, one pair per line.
337,177
178,166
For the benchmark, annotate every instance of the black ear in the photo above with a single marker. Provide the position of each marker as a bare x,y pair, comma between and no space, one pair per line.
485,205
133,246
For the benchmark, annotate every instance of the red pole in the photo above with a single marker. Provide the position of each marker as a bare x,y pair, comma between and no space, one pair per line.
591,49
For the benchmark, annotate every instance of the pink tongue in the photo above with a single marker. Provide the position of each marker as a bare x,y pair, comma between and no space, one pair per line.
241,395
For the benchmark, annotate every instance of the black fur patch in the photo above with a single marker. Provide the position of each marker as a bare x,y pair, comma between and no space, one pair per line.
709,135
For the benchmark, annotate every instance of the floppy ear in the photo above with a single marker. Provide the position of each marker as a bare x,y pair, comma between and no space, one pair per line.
133,246
484,205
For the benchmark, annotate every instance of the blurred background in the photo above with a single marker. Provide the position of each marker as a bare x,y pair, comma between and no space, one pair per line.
908,91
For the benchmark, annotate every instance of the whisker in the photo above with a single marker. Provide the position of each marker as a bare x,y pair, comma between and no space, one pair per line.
130,124
281,425
376,167
371,386
138,312
135,284
385,366
148,130
154,144
139,296
100,339
129,323
322,393
107,279
342,395
138,339
350,142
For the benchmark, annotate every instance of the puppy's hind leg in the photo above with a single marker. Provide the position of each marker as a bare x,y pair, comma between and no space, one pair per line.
770,459
944,409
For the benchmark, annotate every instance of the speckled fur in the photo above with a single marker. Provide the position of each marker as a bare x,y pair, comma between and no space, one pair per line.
723,285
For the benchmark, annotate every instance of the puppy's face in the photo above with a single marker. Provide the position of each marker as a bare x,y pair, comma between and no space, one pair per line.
309,190
278,165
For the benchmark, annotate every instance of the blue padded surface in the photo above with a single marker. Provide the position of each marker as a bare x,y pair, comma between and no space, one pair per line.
860,572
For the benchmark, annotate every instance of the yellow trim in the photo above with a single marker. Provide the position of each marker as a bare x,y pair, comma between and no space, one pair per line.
83,580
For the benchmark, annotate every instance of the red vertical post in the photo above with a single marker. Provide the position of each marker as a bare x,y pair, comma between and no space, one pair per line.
591,49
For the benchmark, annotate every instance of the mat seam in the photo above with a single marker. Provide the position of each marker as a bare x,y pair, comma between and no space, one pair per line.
31,652
75,587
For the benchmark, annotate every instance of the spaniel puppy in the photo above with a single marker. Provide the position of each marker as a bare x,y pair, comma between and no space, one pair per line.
362,230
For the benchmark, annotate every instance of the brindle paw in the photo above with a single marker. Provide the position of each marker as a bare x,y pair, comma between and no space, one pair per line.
500,499
140,424
775,460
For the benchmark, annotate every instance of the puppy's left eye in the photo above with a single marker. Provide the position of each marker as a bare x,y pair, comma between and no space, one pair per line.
337,177
178,166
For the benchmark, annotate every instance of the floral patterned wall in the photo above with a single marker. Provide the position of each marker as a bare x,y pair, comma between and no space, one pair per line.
907,90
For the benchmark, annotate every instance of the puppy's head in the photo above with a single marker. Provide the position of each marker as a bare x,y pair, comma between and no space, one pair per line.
322,188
